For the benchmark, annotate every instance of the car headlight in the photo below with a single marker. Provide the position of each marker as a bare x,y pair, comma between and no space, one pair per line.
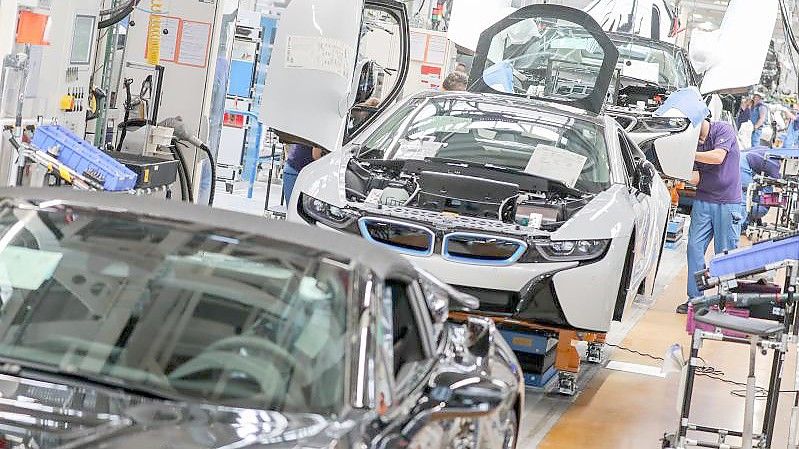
660,125
326,213
569,250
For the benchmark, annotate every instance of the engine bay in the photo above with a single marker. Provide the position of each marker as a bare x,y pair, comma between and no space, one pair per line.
465,190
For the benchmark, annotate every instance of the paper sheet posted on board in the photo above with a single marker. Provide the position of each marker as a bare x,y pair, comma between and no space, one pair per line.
556,163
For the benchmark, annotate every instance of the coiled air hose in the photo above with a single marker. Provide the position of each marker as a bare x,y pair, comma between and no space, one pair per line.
154,33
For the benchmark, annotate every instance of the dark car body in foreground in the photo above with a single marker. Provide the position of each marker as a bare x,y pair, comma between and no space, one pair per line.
130,323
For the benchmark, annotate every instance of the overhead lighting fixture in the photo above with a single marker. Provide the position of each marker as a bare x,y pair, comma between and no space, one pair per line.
698,16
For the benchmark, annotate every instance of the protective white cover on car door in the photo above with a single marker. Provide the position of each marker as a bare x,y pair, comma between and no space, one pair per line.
676,151
309,85
737,56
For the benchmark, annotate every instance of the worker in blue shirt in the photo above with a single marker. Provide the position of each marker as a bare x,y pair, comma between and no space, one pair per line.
758,117
298,157
792,133
756,161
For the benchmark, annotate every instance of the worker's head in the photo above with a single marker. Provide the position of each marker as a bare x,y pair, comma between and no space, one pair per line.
461,67
704,131
455,81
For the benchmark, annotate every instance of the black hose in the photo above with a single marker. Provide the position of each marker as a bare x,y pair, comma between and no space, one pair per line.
213,173
116,9
116,18
182,170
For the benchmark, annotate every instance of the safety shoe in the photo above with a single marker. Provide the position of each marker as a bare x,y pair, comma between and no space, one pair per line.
682,309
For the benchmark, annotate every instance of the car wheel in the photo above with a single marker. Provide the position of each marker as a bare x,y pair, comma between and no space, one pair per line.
511,429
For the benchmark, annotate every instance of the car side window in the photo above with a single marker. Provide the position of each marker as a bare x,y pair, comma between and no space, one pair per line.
407,336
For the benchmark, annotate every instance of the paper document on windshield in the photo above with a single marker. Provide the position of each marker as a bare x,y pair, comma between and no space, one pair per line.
417,149
556,163
647,71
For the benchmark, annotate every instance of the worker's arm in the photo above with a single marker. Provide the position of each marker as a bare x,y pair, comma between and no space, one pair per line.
712,157
316,153
695,178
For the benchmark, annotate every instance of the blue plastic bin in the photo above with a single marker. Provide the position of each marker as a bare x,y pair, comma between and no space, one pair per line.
759,255
84,158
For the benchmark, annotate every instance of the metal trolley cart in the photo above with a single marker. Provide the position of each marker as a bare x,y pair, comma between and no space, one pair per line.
73,161
782,195
724,272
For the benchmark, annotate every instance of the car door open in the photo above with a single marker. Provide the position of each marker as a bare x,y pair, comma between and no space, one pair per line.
550,52
323,66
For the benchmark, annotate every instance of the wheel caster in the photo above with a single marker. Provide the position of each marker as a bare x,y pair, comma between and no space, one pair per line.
594,353
668,441
567,383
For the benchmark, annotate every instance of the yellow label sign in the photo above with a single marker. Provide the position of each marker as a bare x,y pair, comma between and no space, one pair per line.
146,175
522,341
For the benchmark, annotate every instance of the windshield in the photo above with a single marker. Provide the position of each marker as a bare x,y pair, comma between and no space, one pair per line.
473,130
544,57
649,61
213,316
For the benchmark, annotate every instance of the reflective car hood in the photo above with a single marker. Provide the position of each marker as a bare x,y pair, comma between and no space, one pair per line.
51,415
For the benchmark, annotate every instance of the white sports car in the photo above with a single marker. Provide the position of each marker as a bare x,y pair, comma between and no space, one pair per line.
520,191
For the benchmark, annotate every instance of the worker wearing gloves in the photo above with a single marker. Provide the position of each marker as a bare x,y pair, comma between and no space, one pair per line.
716,213
756,162
758,116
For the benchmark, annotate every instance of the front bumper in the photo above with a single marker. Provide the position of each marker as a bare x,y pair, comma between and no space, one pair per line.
569,295
564,295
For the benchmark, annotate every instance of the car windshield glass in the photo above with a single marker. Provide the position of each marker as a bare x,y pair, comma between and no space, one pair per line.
473,130
544,57
652,62
209,315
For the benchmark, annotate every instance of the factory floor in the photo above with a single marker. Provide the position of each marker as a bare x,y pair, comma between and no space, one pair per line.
617,409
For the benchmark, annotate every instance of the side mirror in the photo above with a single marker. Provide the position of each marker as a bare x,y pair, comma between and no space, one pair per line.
644,176
458,395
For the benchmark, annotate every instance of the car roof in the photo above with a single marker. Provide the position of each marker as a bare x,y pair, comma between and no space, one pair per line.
383,262
517,102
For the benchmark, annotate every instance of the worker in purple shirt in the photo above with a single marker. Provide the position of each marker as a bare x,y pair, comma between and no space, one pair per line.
298,157
756,161
716,214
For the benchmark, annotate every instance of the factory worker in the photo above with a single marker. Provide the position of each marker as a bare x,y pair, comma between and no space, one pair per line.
455,81
792,132
298,157
716,214
758,115
756,162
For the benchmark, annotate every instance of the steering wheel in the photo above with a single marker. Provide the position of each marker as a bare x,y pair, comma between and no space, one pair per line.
222,355
263,345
